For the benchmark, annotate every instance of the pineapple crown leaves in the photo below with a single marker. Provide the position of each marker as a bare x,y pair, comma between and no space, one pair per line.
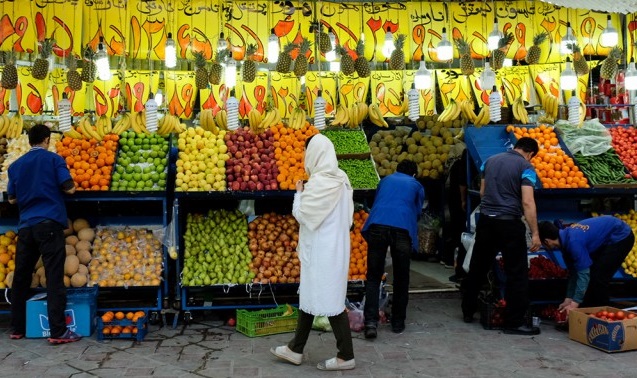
615,53
251,49
304,46
462,45
88,53
290,47
574,47
9,57
71,61
400,41
46,47
506,40
360,48
539,38
200,60
222,55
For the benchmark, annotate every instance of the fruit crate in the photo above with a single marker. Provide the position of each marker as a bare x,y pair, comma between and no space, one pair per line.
491,315
141,325
267,322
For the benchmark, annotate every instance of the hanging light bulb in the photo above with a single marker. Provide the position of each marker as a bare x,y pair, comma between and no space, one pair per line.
319,111
630,78
159,98
568,41
494,36
495,109
422,78
222,44
568,78
273,47
232,111
170,52
151,113
444,50
101,61
231,73
508,62
335,66
64,113
487,78
610,37
573,110
331,55
414,107
388,46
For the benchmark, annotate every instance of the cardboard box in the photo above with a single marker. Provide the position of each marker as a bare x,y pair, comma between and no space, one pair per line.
80,310
609,336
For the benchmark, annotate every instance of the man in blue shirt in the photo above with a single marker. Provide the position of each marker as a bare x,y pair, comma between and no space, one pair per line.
37,182
506,191
593,250
393,224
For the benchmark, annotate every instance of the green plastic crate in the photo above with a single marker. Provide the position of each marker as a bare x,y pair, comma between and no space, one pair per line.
266,322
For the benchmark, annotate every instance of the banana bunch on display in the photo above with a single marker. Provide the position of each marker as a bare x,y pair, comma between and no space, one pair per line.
271,118
254,120
138,122
483,117
11,127
357,114
169,124
550,105
451,112
122,124
341,118
207,121
404,108
466,107
221,119
376,116
103,125
297,119
519,111
582,112
86,129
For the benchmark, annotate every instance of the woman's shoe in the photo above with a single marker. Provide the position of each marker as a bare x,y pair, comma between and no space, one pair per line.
334,364
284,353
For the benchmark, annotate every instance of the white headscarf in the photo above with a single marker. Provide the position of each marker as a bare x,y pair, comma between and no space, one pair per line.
325,186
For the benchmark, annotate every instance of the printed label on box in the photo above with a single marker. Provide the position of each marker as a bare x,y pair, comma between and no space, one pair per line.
69,316
605,335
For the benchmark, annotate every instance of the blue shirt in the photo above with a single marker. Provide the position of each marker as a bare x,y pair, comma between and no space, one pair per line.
35,180
587,238
398,203
504,175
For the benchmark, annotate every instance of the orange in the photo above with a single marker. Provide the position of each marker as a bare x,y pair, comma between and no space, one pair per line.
129,315
119,315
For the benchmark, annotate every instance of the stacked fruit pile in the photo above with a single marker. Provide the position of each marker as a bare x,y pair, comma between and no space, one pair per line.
8,242
604,169
543,268
630,262
216,249
273,239
289,147
361,173
142,162
90,162
201,162
614,315
624,139
251,165
15,148
347,142
358,254
112,320
125,257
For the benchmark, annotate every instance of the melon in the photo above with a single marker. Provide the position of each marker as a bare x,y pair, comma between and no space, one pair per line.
86,234
80,224
43,281
39,264
8,280
78,280
69,230
71,240
83,245
82,269
84,256
70,250
35,281
67,281
71,265
40,271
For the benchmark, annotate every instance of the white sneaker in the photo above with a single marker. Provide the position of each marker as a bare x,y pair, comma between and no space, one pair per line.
284,353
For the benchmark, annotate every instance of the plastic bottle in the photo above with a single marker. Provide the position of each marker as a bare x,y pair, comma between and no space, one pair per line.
495,111
573,110
64,114
319,111
151,113
232,109
414,108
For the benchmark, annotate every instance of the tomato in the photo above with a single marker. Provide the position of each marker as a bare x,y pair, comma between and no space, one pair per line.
232,322
630,315
611,316
619,315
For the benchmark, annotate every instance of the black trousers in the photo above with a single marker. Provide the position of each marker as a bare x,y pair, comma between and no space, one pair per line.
605,264
47,240
340,327
509,238
399,243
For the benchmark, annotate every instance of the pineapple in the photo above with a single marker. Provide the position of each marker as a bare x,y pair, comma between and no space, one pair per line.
466,63
397,58
201,74
285,60
10,73
250,66
325,45
533,55
73,78
609,65
361,64
41,65
89,69
497,60
579,62
300,66
347,63
216,69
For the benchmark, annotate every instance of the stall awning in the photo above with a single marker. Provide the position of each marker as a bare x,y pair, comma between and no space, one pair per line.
614,6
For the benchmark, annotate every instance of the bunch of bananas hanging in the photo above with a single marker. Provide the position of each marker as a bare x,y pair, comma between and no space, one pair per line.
169,124
254,120
103,125
221,119
550,105
207,121
466,107
483,117
297,119
271,118
519,111
138,122
11,127
84,130
341,118
376,116
358,112
451,112
122,124
404,107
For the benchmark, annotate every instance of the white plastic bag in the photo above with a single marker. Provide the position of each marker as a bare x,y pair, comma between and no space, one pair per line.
468,240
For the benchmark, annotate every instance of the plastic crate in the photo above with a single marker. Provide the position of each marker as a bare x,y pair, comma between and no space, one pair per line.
266,322
141,324
491,315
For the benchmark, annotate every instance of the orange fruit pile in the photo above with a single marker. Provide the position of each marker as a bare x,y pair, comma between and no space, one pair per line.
289,147
90,162
114,328
358,251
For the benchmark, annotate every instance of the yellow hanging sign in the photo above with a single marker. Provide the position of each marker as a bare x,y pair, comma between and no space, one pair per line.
5,98
105,95
31,92
326,82
138,85
59,85
285,90
546,79
427,99
515,83
453,85
181,93
253,95
353,89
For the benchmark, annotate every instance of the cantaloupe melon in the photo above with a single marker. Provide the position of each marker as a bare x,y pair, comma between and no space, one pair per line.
83,245
43,281
71,265
71,240
69,229
40,271
35,281
39,264
86,234
80,224
82,269
84,256
70,250
8,280
78,280
67,281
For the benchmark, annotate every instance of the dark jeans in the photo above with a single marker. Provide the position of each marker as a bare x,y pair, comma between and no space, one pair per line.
605,264
509,238
340,327
45,239
399,242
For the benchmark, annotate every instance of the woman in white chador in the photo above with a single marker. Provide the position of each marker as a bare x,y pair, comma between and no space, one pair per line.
324,209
